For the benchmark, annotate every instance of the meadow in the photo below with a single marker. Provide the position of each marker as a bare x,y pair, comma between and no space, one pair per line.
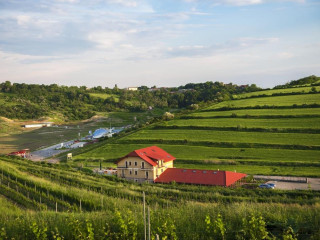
289,100
284,123
105,96
277,91
44,201
259,113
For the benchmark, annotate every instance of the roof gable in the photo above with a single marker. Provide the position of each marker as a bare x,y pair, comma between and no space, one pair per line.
150,155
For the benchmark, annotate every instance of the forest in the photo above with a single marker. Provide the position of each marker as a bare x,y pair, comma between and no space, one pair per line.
31,101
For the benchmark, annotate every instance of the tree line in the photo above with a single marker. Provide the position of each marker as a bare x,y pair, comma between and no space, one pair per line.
30,101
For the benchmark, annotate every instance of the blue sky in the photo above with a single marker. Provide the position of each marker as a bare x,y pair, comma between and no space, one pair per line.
158,42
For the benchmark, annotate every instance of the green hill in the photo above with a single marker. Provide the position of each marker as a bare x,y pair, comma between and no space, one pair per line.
44,201
270,135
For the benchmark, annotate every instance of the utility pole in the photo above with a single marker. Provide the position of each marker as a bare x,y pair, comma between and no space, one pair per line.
149,228
144,216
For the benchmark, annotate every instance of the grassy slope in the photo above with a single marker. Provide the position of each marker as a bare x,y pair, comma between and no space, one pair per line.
236,150
277,91
105,96
21,179
271,101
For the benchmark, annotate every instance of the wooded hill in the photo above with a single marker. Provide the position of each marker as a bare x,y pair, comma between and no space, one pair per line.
30,101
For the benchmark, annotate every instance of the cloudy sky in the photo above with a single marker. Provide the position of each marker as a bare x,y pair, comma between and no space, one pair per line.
158,42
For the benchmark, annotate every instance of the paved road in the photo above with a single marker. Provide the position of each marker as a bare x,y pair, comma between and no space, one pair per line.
52,150
291,183
313,184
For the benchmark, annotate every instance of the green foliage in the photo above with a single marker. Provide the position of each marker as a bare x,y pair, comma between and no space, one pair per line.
289,234
3,234
254,228
39,232
167,229
216,229
56,235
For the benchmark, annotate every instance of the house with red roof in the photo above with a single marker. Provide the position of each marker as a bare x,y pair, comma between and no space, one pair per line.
153,164
145,164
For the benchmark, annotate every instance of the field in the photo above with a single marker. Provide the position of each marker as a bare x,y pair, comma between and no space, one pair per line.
105,96
44,201
277,91
277,101
254,141
13,137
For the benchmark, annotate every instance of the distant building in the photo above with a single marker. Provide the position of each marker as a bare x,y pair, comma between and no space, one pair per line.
37,125
25,153
132,88
153,164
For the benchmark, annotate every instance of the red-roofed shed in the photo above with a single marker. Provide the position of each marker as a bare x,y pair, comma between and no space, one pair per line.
201,177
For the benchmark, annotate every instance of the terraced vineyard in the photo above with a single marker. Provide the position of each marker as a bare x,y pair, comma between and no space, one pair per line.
271,135
44,201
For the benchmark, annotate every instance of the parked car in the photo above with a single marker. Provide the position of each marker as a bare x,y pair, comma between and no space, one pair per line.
272,185
266,186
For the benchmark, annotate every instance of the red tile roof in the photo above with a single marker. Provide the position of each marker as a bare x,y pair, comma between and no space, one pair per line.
202,177
151,155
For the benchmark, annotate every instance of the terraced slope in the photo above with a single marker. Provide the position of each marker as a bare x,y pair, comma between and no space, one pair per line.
43,201
271,135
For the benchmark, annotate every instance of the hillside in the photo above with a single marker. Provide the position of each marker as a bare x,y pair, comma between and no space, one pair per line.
269,132
44,201
63,103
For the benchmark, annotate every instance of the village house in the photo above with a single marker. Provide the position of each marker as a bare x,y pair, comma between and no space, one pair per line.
153,164
144,165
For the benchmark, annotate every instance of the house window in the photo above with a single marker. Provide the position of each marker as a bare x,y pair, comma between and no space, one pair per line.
135,172
135,163
142,165
130,172
126,164
147,174
129,163
162,170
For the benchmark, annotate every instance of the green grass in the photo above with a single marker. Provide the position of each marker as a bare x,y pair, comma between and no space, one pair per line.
277,91
228,136
109,203
116,151
105,96
9,206
256,169
260,112
250,123
270,101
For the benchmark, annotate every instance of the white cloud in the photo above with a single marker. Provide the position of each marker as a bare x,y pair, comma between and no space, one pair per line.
285,55
106,39
23,20
243,2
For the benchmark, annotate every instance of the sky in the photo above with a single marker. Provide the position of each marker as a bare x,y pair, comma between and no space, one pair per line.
165,43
